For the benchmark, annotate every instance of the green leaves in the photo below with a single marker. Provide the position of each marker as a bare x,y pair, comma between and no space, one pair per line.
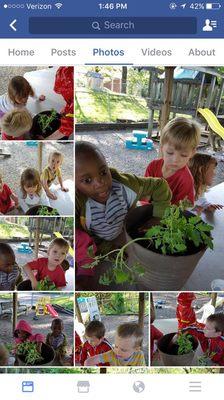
184,343
43,210
29,351
46,284
176,231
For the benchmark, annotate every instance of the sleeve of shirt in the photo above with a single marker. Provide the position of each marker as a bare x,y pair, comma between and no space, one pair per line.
149,170
44,175
83,354
8,190
185,190
58,172
34,265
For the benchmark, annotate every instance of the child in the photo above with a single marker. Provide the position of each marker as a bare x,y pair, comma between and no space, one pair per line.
8,199
203,167
64,85
17,96
9,270
51,172
57,339
4,355
96,342
15,124
179,140
155,334
49,266
83,242
126,352
23,333
31,193
104,196
210,335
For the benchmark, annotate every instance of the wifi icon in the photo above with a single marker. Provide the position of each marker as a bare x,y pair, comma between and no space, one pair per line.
58,5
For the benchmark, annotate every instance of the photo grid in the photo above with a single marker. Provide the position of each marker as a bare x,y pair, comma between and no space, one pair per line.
122,271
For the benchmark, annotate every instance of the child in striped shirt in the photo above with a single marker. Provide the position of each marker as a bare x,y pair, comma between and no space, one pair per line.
127,349
9,270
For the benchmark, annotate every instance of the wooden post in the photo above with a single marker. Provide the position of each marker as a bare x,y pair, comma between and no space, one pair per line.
37,237
200,93
40,156
167,96
152,309
213,298
77,310
141,309
149,102
14,311
210,92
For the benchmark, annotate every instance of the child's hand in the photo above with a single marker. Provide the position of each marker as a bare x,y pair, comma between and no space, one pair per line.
213,207
52,196
34,284
42,97
16,202
64,189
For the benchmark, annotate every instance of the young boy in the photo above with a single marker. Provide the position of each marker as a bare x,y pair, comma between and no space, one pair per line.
179,140
210,334
49,266
96,342
15,124
9,270
57,339
126,352
104,196
51,172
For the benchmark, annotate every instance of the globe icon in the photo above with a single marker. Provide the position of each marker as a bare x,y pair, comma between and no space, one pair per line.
138,386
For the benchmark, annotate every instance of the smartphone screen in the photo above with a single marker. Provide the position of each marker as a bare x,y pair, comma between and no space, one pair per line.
111,198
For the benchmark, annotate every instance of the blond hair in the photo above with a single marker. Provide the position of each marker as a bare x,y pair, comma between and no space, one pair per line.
198,166
30,177
131,330
60,242
182,133
16,122
19,88
55,154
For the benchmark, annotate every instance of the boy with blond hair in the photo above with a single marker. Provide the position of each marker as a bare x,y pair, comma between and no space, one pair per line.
15,124
51,172
127,349
179,140
50,266
96,342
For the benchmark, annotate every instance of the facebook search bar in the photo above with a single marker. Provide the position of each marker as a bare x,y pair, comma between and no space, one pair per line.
113,26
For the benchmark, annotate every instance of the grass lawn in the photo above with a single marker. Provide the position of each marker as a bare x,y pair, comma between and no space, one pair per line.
65,301
10,231
106,106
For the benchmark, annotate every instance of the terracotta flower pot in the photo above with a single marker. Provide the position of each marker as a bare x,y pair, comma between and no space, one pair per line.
167,352
47,352
162,272
36,127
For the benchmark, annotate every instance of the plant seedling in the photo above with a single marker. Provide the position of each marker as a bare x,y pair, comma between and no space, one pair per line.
43,210
45,120
184,343
46,284
29,351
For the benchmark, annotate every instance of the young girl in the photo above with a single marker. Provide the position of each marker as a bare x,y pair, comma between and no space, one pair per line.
23,333
31,193
15,124
17,96
8,199
203,167
51,172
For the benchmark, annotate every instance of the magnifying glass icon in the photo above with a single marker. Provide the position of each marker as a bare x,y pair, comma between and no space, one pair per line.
96,25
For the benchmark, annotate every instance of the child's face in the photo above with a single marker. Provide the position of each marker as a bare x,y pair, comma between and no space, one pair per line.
210,331
175,159
57,329
93,178
56,255
21,100
124,347
93,340
31,190
55,163
6,263
22,334
210,174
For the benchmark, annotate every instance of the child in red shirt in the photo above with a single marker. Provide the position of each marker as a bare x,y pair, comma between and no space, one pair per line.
179,140
96,342
8,199
210,334
49,266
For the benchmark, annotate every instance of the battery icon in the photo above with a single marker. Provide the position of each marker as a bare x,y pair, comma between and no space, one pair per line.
213,6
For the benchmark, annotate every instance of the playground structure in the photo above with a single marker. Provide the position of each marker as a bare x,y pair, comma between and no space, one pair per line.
44,307
24,248
214,126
